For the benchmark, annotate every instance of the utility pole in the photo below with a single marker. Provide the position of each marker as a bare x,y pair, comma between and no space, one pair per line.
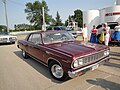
44,24
5,10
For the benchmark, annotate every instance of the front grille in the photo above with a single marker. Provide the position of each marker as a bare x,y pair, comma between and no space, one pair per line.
4,39
92,58
12,38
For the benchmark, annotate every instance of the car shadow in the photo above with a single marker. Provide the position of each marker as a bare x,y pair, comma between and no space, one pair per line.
107,85
115,58
115,54
38,66
110,64
2,44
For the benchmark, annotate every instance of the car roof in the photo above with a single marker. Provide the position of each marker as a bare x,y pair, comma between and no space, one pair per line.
40,32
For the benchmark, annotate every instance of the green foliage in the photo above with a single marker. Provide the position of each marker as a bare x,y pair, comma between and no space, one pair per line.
78,17
58,21
23,27
70,19
3,28
34,13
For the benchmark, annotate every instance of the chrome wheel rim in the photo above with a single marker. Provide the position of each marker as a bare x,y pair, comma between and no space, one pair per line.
57,71
23,53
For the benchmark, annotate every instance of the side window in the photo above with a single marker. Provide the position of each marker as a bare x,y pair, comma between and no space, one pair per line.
35,38
30,38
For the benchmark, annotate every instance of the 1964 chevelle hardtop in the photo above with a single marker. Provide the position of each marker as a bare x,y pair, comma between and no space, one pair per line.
64,56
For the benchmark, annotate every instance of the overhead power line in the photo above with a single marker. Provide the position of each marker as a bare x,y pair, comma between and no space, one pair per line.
15,2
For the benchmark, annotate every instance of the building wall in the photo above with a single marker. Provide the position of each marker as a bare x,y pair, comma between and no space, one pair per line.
117,2
91,17
112,14
96,17
102,16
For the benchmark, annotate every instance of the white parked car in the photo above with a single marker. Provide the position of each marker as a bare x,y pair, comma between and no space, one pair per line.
7,38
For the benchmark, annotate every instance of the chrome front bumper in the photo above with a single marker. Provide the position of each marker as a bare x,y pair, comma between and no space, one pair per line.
75,73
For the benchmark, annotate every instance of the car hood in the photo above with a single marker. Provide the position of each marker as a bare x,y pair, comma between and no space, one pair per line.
7,36
77,48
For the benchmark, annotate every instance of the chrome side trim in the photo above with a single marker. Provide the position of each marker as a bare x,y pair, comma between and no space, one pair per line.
37,60
54,60
74,72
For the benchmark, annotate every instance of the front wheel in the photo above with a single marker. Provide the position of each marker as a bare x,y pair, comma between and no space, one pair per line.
57,71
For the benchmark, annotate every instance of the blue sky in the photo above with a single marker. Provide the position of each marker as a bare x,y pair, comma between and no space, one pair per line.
16,15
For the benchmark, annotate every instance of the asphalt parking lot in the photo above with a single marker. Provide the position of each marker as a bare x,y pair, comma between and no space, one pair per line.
17,73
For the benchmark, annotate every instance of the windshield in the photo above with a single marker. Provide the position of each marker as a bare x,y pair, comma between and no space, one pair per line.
4,33
56,37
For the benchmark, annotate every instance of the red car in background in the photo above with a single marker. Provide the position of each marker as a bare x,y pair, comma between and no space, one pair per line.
62,54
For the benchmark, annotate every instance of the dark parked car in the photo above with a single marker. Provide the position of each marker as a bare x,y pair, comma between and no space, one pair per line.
58,28
111,25
62,54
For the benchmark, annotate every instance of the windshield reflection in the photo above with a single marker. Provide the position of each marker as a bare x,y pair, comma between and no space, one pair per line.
56,37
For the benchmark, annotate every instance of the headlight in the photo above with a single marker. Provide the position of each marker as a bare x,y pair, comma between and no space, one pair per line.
77,63
106,52
13,37
80,61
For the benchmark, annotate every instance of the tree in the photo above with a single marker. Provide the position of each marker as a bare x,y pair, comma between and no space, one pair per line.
3,28
34,13
58,20
78,17
70,19
15,26
23,27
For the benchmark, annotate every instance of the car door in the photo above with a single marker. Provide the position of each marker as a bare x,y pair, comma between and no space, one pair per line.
35,46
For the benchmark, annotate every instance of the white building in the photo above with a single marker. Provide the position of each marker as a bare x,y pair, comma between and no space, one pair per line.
96,17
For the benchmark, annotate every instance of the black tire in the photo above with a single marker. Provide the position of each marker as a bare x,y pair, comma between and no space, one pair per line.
13,42
24,54
62,77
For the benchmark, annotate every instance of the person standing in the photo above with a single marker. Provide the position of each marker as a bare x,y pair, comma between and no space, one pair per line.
116,34
101,36
93,37
85,32
107,34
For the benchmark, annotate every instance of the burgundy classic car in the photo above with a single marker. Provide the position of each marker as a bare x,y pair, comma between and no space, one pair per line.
62,54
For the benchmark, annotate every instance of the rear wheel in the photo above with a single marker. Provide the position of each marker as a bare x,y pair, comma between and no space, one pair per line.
57,71
24,54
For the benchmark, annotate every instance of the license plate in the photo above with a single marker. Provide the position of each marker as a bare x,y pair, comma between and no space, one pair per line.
95,67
